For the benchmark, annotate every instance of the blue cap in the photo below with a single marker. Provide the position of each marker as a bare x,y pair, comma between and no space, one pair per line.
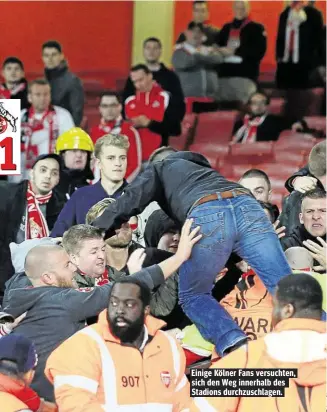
20,350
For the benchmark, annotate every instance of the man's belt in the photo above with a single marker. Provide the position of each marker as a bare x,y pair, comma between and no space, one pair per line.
222,195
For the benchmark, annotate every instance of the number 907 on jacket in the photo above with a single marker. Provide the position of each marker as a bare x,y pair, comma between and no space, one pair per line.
10,146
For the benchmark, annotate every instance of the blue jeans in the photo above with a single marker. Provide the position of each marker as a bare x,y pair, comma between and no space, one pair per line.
231,225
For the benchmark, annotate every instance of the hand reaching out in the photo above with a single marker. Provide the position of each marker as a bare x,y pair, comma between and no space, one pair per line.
188,240
136,260
280,231
318,252
304,183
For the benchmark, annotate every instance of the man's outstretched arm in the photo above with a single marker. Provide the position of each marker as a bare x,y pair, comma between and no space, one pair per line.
142,191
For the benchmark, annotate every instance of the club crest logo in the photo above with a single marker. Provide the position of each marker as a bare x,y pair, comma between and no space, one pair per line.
7,118
165,378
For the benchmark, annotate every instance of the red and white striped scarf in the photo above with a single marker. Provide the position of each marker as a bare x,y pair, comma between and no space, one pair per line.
32,125
296,17
248,132
7,94
36,225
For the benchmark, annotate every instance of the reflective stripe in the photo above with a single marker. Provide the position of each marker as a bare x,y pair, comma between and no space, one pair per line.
166,97
108,371
176,355
204,405
181,384
76,381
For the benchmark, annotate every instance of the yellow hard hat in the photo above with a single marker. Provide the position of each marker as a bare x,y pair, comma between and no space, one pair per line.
74,138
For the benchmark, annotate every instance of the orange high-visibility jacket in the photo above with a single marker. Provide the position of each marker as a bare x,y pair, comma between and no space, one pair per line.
9,403
296,344
92,372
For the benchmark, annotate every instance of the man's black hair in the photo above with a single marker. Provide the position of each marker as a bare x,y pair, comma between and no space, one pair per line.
262,93
13,60
112,93
138,67
192,25
257,173
199,2
145,292
153,39
303,292
52,44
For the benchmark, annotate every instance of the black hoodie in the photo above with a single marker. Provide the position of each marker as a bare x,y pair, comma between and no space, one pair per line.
176,183
54,314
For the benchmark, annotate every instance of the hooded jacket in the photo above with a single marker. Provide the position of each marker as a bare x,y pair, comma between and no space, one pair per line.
105,374
45,305
12,209
186,173
66,91
197,70
295,344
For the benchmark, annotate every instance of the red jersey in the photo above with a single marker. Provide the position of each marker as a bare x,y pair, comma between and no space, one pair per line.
134,155
153,105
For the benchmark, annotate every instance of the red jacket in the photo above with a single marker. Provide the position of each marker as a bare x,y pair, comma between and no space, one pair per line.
120,126
153,105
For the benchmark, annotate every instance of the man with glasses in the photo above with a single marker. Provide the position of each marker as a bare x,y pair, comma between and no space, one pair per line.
112,122
259,125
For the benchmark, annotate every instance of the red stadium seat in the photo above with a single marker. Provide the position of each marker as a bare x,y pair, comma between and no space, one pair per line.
251,153
317,122
295,142
180,142
277,105
211,149
93,117
278,170
287,156
215,127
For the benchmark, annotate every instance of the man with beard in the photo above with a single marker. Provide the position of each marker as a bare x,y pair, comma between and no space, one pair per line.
124,361
259,125
28,209
55,310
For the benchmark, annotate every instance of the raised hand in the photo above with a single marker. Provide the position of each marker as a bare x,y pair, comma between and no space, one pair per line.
136,260
188,240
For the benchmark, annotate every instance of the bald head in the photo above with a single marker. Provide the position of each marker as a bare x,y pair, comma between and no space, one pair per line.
241,9
44,259
299,258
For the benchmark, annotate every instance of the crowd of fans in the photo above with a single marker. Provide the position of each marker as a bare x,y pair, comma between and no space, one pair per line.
124,263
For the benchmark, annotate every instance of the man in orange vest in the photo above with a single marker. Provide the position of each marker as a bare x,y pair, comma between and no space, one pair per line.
297,342
124,361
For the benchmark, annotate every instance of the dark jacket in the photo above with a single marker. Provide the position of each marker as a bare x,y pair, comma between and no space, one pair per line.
75,210
271,127
176,183
71,180
292,203
211,35
66,91
310,32
156,226
253,46
169,81
21,93
296,238
12,209
46,305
